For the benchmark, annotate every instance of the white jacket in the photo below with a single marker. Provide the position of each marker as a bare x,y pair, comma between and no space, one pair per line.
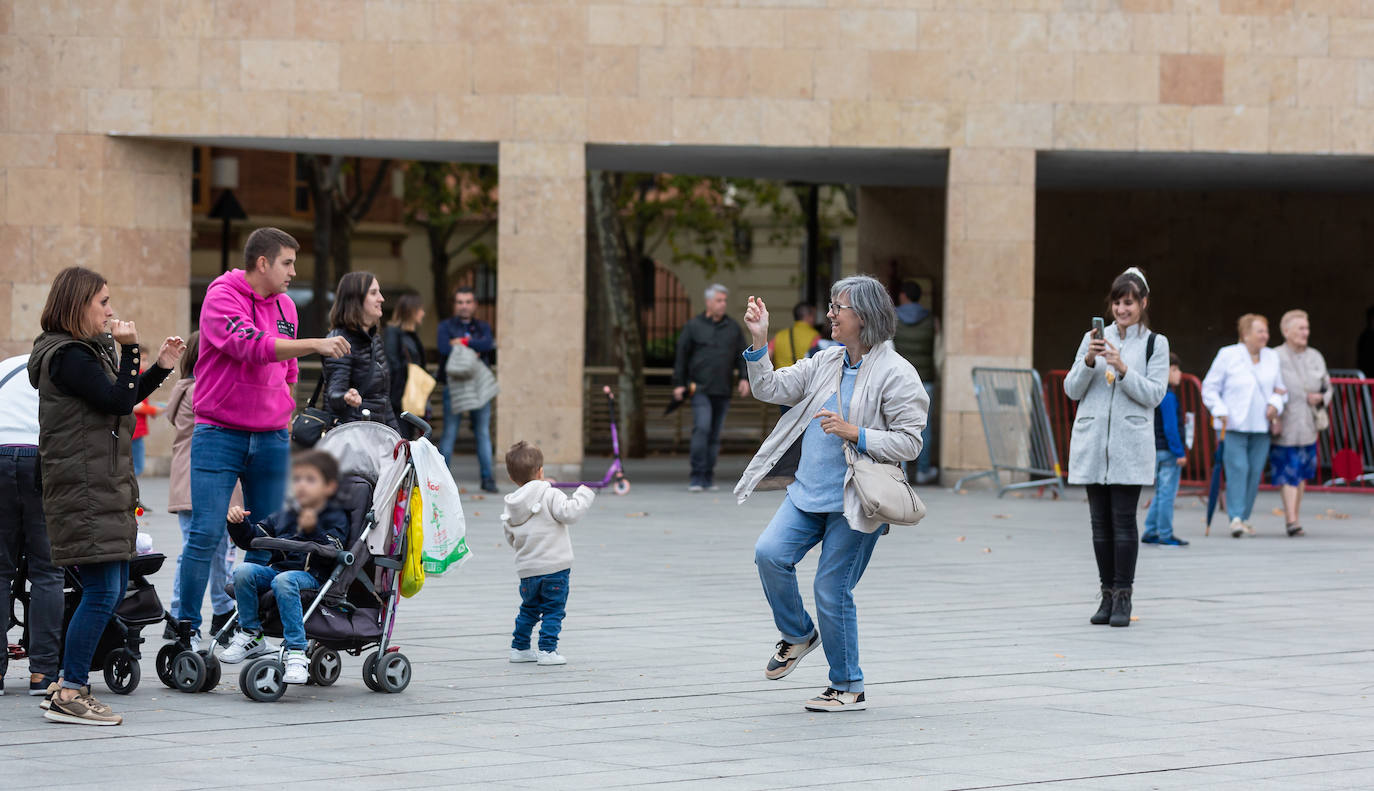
1239,390
536,523
18,404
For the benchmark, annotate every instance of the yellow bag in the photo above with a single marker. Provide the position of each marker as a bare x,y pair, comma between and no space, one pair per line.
413,570
419,385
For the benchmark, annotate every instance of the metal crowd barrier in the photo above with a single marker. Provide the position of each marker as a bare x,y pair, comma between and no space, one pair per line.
1011,403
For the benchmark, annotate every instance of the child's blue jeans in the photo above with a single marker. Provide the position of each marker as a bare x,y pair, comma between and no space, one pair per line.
252,580
1159,522
543,599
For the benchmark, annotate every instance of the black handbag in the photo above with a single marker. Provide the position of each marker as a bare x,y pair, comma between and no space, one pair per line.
312,423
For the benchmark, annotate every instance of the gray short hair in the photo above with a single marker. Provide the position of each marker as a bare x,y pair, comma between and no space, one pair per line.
874,306
716,288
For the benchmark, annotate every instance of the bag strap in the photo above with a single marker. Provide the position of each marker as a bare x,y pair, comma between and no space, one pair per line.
12,374
319,387
1149,348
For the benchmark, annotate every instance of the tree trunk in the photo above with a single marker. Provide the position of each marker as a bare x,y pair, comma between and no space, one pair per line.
323,175
620,303
438,237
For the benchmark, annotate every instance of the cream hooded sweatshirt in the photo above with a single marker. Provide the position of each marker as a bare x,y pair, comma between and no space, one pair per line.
536,522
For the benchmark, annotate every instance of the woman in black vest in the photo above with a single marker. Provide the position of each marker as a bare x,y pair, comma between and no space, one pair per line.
360,381
86,397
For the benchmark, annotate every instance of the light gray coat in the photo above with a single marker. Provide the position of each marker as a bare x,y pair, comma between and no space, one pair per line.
471,384
889,403
1113,438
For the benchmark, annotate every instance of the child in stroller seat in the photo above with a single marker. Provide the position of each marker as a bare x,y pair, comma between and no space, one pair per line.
317,519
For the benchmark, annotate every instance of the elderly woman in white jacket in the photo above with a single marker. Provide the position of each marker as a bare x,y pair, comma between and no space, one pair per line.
863,394
1117,379
1244,392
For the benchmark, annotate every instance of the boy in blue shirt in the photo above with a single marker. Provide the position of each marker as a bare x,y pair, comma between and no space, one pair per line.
1170,456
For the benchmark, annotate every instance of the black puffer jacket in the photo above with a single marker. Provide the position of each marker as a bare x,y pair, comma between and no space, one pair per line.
364,369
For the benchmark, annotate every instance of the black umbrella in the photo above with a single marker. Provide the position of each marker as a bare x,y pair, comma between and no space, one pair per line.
678,402
1214,487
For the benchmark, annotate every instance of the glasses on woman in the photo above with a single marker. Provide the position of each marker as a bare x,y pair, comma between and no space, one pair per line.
836,307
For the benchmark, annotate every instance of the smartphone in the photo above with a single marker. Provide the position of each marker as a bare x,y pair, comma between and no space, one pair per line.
1098,326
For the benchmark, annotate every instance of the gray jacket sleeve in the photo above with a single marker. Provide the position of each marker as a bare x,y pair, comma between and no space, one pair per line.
1080,375
904,409
785,386
1148,387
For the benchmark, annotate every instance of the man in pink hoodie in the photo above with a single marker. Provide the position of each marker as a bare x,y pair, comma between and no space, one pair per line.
243,400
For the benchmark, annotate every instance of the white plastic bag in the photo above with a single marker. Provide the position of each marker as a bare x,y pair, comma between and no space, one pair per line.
445,527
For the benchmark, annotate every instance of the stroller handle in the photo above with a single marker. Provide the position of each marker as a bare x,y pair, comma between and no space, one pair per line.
287,545
425,429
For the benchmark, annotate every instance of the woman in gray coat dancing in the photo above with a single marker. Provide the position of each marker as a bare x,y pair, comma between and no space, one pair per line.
1119,376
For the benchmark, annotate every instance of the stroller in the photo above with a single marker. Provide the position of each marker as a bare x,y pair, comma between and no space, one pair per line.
355,608
117,653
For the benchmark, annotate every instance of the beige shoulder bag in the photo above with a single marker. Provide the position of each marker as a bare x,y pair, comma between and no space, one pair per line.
884,492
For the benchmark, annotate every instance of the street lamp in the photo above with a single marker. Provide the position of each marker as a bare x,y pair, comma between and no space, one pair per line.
224,176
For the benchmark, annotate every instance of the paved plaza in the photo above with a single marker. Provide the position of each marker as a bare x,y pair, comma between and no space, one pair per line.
1248,667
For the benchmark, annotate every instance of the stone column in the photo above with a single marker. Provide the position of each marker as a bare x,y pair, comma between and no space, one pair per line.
989,286
541,301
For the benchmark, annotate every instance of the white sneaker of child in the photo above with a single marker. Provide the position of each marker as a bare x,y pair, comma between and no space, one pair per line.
523,655
242,646
297,668
551,658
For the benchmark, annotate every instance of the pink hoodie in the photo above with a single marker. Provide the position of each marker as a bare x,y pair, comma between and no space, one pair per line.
239,383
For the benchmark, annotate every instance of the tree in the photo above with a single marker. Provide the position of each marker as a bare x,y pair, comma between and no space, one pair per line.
441,196
340,200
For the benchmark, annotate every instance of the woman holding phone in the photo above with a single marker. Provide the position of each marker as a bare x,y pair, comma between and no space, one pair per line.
1119,375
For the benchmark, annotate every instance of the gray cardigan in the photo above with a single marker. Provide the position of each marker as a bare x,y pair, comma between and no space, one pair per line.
1113,438
471,384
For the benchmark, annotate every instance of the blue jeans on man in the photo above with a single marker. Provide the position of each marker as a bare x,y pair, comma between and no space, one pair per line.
252,580
923,461
24,535
1243,457
708,415
1159,521
543,600
845,553
220,458
481,428
102,589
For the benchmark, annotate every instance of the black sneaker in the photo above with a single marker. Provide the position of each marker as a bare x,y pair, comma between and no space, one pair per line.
40,687
785,659
1173,541
489,486
834,700
1149,538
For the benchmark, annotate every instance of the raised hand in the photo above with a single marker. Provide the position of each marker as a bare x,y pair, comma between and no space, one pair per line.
124,332
756,320
171,351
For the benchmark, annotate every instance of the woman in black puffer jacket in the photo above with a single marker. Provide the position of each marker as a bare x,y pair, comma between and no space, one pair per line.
359,381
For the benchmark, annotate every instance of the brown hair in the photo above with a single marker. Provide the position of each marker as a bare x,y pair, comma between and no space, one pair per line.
1244,323
72,291
1129,284
187,369
347,312
407,305
1175,360
325,464
266,243
523,460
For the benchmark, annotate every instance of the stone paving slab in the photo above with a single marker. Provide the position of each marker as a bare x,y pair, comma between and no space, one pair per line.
1249,667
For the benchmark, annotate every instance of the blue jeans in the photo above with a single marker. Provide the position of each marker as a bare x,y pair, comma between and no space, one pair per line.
1243,457
844,556
708,415
481,428
136,447
543,600
220,602
252,580
923,462
1159,522
102,588
221,457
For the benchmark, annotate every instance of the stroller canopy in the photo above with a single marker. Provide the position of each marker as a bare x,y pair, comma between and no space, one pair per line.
363,448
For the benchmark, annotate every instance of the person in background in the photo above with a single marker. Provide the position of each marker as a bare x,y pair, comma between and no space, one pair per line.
1244,392
1293,457
401,339
464,327
471,387
24,531
709,351
1170,456
1364,353
358,385
794,344
915,340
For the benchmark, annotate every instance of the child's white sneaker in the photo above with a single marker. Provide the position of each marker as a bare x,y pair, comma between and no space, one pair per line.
242,646
551,658
526,655
297,668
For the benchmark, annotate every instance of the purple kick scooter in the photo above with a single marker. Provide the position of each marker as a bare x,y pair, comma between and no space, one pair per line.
615,477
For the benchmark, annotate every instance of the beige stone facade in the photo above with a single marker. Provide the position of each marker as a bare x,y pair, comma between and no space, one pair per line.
87,86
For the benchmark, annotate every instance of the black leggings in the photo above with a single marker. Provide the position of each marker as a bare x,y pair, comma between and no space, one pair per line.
1115,541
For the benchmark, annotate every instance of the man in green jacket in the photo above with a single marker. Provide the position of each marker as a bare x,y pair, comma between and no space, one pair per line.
915,340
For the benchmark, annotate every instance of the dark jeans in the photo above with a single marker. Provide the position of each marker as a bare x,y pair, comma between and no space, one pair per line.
24,534
543,600
103,587
708,415
1115,542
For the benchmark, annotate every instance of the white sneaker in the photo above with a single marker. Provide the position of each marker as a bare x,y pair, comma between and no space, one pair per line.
551,658
297,668
695,489
527,655
1237,528
242,646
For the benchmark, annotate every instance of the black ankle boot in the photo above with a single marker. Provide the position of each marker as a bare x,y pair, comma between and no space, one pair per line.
1104,610
1121,607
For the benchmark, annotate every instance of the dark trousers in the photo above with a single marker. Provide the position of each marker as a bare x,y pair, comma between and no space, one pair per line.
543,600
24,533
1115,541
708,415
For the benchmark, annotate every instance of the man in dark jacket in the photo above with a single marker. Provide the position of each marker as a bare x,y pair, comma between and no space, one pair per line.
915,340
464,327
709,350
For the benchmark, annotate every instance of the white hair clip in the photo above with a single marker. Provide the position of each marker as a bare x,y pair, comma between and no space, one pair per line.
1130,270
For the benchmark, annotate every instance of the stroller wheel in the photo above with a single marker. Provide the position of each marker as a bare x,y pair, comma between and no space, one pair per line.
325,666
188,671
262,679
121,671
212,670
393,673
165,655
370,672
621,487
